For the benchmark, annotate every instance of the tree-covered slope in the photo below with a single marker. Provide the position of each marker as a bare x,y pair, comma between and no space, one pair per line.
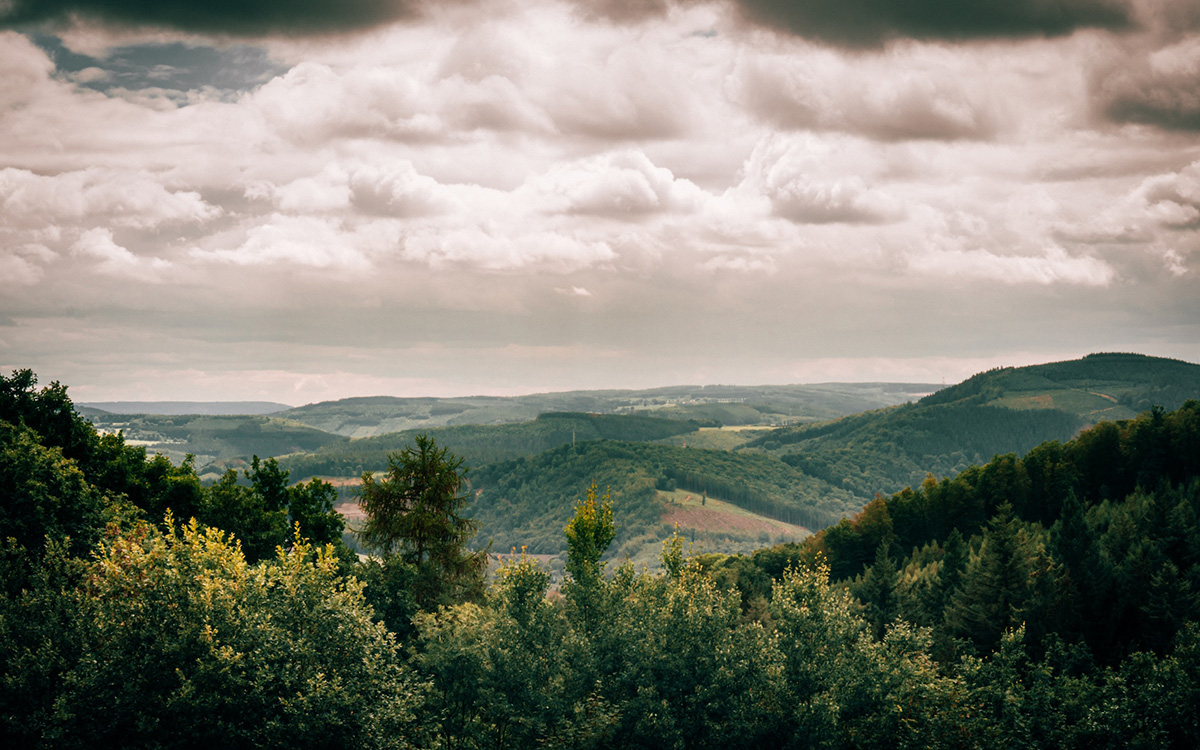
1008,410
1097,387
527,502
1093,540
479,445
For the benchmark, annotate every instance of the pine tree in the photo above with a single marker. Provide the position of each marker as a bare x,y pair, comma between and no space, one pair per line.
995,588
878,590
416,513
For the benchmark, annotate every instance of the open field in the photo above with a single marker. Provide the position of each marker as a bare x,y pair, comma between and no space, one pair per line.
691,511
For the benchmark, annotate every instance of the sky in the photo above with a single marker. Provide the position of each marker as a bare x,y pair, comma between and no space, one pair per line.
306,200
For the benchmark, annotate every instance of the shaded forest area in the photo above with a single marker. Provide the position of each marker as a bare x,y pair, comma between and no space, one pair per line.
1043,600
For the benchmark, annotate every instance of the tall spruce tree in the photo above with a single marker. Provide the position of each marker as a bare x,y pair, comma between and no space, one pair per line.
877,590
995,588
416,513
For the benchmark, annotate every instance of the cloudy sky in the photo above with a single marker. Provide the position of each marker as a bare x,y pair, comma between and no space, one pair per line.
299,200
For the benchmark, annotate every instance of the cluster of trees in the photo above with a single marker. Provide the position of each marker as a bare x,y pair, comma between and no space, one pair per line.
1095,542
140,609
634,660
118,628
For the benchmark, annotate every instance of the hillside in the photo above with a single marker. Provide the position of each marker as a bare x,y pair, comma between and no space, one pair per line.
210,408
527,502
479,445
1008,410
733,405
1097,387
215,441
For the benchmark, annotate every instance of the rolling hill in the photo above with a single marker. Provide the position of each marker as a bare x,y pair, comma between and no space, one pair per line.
527,501
479,445
1008,410
211,408
661,451
724,404
216,441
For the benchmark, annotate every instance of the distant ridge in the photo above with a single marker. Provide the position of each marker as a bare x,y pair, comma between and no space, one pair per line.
208,408
1000,411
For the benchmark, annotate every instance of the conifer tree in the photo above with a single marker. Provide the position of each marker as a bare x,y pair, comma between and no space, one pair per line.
416,513
995,588
878,590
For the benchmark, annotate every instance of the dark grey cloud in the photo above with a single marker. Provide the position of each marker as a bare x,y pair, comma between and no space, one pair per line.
1164,95
623,11
236,17
869,23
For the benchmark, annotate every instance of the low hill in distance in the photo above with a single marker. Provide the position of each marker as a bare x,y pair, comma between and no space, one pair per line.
177,429
660,452
724,404
216,442
1007,410
210,408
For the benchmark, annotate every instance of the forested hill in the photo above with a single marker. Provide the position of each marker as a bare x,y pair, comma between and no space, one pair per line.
479,445
727,404
1093,540
1008,410
527,502
1097,387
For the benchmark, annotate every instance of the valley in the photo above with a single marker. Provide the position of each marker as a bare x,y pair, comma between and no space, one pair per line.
733,467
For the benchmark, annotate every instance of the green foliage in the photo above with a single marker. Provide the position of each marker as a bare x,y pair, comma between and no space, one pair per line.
877,590
390,589
311,508
45,495
588,534
995,587
171,640
498,670
240,510
48,412
1094,541
416,513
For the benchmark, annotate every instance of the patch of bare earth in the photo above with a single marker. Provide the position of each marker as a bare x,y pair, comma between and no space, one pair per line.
707,519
